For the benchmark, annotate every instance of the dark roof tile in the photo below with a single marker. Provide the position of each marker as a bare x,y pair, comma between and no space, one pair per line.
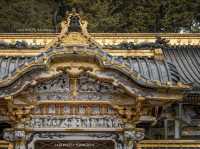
187,62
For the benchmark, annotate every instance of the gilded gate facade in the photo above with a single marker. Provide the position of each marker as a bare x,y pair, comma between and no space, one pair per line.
75,92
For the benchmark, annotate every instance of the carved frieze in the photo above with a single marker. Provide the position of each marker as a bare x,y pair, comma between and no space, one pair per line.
84,87
91,88
54,89
73,108
74,122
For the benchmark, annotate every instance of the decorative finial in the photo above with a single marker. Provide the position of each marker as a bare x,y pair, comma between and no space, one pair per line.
74,31
72,22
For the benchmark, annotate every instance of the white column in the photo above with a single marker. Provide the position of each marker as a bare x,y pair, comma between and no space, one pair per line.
177,129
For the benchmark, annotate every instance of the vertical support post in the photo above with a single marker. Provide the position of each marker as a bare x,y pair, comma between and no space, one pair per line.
20,145
20,139
177,129
132,137
178,122
166,128
180,116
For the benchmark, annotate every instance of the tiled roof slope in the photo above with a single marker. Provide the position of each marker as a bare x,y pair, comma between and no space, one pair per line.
186,59
180,64
149,68
152,69
9,65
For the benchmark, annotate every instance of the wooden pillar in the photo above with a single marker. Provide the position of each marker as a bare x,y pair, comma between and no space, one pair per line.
178,122
177,129
180,116
166,128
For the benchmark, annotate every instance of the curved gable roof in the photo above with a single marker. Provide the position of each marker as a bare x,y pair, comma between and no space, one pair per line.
151,69
145,72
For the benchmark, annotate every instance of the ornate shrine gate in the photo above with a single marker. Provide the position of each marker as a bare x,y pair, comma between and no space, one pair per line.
76,95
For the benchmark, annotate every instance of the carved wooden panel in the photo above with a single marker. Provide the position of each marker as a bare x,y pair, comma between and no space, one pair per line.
75,122
94,89
73,109
56,88
65,88
75,144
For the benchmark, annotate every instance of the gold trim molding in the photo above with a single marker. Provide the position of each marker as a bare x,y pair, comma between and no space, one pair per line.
168,143
155,53
108,38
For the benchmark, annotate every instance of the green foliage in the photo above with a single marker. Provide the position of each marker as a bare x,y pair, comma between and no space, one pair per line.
26,15
103,15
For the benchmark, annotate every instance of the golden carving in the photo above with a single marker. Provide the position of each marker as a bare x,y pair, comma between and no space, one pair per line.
158,54
108,38
73,81
78,37
74,38
17,113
